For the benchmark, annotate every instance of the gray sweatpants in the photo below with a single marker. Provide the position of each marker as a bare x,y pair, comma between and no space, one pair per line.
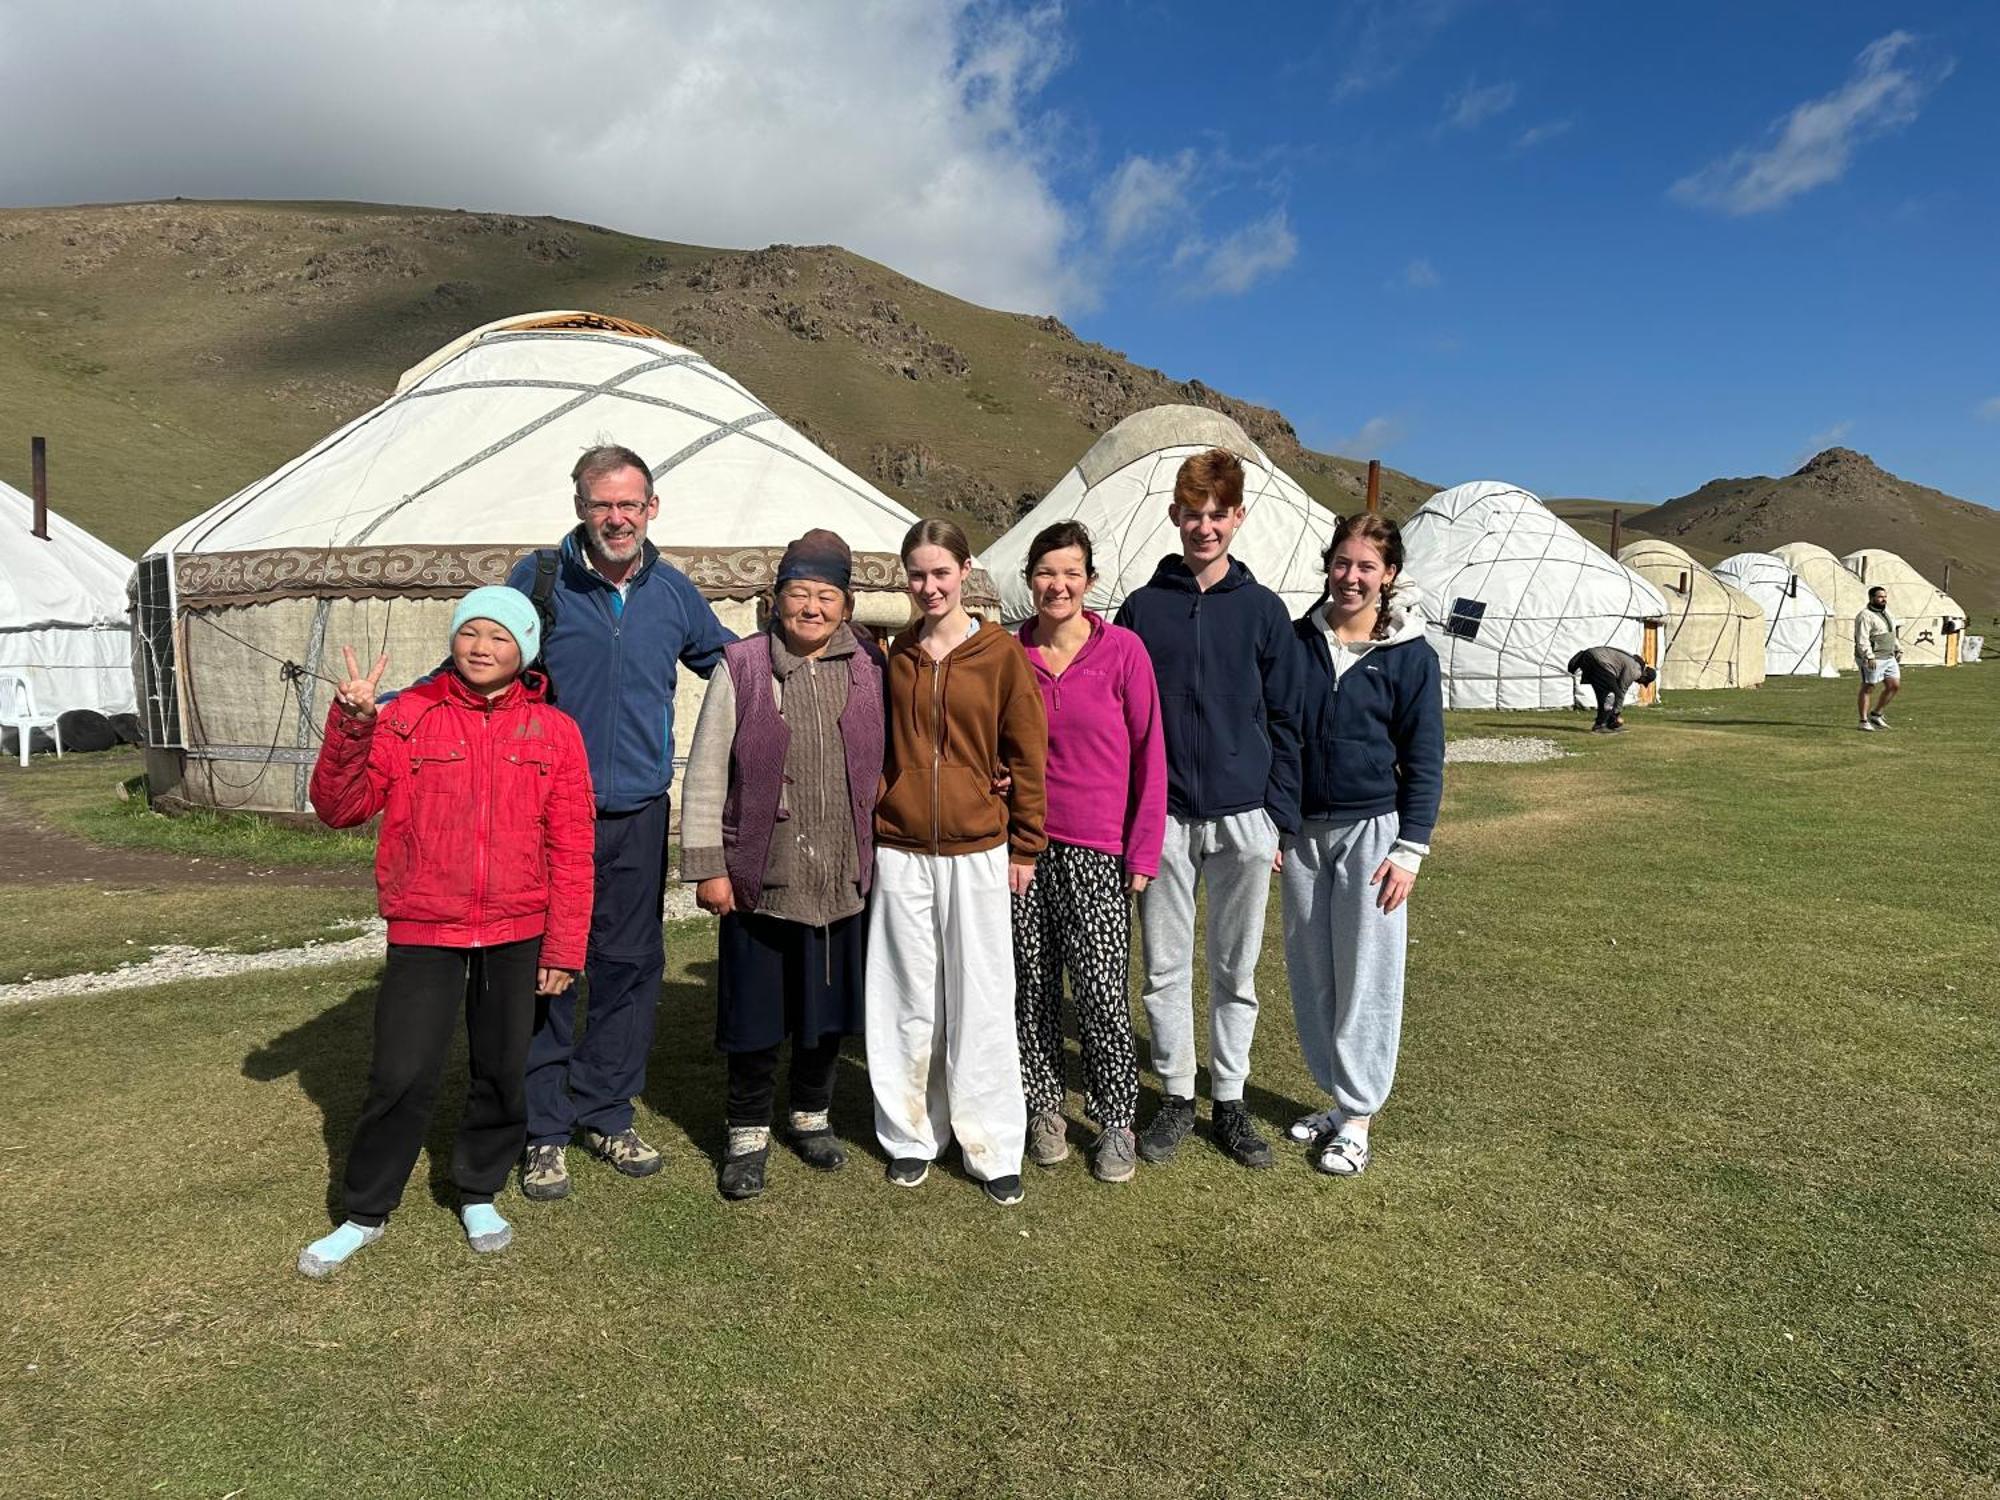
1232,857
1345,959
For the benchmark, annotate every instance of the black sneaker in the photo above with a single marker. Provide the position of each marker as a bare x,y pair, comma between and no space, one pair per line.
1237,1136
909,1171
1172,1123
743,1176
1005,1191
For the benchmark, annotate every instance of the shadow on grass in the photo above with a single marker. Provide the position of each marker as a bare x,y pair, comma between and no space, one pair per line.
330,1054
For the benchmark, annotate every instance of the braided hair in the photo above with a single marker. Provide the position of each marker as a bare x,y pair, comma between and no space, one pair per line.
1387,539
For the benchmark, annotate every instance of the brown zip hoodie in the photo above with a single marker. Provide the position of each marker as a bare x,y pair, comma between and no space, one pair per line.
954,726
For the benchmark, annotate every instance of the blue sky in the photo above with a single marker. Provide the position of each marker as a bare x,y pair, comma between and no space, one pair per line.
1491,272
1594,247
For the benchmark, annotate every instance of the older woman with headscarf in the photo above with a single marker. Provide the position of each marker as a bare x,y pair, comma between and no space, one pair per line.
777,829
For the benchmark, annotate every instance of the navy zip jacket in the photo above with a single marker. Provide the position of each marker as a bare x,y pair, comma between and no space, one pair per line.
612,662
1230,679
1374,737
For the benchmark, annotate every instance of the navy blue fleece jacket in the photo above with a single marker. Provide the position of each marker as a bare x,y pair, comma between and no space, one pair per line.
1229,678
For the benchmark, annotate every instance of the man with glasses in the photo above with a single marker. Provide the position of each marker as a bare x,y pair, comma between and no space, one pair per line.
618,620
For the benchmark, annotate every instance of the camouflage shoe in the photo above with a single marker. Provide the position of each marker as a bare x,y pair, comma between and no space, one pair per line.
544,1173
625,1151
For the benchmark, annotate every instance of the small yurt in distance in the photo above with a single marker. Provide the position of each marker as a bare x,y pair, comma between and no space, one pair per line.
1796,619
64,623
1121,488
366,538
1510,593
1714,634
1928,620
1844,595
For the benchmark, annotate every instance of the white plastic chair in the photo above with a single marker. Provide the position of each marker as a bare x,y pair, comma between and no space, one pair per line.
17,712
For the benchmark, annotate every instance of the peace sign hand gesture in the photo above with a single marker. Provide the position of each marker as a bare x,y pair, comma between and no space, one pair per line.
356,696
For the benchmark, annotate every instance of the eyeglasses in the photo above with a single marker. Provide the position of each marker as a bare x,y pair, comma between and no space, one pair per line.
625,510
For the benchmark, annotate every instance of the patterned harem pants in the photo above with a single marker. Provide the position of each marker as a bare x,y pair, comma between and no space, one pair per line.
1076,917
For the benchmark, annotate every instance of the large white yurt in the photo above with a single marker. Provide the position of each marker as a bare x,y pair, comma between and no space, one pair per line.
1928,620
1714,633
1796,618
1121,489
1844,595
64,624
366,538
1510,593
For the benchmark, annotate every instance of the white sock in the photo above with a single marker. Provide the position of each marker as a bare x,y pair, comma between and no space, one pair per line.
805,1121
744,1139
1355,1127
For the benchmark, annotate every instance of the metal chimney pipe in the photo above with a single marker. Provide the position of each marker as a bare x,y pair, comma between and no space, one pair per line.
1374,485
1616,516
38,452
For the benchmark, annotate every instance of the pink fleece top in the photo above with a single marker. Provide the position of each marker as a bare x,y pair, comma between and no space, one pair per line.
1107,768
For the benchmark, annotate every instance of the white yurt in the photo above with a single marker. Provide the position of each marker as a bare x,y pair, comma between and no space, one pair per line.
1796,618
1928,620
366,538
1714,633
1844,595
1510,593
1121,489
64,625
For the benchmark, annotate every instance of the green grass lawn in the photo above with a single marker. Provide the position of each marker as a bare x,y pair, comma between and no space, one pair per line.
1688,1189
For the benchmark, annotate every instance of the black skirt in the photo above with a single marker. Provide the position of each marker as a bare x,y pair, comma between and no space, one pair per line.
779,979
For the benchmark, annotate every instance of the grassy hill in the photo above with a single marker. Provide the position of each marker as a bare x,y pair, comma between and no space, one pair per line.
1843,501
173,352
1592,518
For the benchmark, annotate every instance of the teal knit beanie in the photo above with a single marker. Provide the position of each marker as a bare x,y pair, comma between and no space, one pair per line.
510,609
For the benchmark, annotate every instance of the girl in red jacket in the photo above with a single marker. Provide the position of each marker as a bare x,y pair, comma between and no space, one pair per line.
484,872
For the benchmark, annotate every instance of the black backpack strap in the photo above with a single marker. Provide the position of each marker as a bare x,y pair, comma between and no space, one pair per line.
543,594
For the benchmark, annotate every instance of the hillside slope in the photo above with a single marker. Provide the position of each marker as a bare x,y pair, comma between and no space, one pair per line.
173,352
1843,501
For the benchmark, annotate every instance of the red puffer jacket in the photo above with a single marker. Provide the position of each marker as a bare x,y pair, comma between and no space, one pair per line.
487,815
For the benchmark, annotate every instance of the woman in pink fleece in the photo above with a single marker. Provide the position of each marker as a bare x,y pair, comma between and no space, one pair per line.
1107,791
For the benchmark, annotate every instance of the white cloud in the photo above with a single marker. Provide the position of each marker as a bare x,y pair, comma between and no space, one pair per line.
1989,409
1536,135
910,133
1374,40
1813,144
1239,260
1374,437
1143,196
1819,442
1421,274
1475,104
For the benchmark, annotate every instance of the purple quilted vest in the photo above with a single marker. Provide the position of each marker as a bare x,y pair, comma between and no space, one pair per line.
757,762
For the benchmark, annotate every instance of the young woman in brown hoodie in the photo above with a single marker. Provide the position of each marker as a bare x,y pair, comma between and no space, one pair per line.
964,719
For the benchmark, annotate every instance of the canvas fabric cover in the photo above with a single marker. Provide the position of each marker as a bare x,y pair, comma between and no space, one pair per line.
1509,593
1844,595
1714,634
367,538
1796,619
1920,606
1121,488
63,618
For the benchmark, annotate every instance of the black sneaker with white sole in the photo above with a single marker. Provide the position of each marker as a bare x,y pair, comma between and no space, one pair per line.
1005,1191
909,1171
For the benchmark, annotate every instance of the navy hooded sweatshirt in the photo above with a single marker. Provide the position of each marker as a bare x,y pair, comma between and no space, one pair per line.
612,661
1374,735
1229,675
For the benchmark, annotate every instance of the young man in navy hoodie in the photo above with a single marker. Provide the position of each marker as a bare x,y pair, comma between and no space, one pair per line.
622,619
1221,645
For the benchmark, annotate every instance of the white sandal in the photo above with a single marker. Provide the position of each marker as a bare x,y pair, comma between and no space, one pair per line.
1312,1127
1343,1156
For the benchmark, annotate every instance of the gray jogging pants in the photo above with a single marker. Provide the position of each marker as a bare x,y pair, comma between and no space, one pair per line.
1345,959
1232,857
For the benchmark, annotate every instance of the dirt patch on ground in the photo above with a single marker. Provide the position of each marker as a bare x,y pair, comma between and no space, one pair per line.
38,854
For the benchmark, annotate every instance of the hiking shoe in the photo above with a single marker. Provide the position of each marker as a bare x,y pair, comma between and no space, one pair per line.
1005,1191
1342,1156
1312,1127
1048,1139
1237,1135
819,1149
1114,1157
909,1171
544,1173
1171,1124
742,1175
625,1151
1878,721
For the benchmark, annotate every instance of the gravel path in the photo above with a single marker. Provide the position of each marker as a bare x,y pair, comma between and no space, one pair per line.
1503,749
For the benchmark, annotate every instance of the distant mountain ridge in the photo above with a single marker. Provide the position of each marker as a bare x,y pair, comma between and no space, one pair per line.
173,352
1844,501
